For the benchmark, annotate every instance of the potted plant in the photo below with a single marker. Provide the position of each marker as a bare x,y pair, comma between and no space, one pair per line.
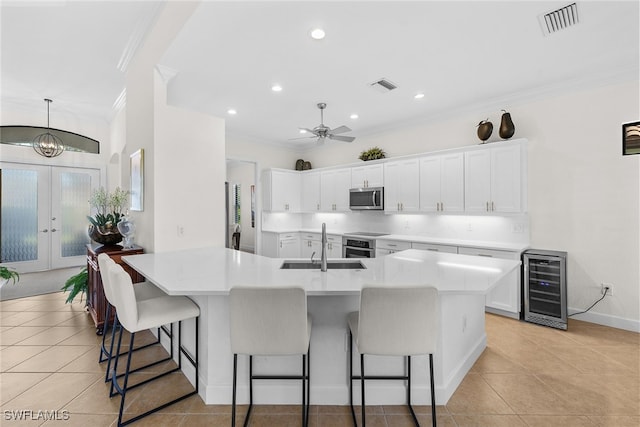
7,274
109,209
372,154
76,284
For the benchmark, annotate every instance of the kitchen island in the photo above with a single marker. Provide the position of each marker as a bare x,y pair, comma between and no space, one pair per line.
207,274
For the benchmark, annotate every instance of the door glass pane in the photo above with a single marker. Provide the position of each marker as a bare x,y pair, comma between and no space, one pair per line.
19,212
75,189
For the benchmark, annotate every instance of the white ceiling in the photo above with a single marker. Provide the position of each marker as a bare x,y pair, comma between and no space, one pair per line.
463,55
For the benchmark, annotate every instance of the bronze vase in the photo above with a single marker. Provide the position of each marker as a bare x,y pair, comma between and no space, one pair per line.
485,128
507,128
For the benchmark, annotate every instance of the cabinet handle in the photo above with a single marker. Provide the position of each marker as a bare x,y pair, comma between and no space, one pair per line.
53,230
487,206
485,255
318,207
401,206
53,219
45,230
391,244
280,244
432,249
493,208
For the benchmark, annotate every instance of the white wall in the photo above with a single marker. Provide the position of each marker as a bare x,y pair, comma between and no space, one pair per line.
189,177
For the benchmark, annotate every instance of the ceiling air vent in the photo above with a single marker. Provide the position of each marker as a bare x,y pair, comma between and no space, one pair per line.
559,19
383,85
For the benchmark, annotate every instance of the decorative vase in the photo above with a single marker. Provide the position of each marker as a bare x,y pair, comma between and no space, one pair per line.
485,128
306,166
105,235
507,128
299,164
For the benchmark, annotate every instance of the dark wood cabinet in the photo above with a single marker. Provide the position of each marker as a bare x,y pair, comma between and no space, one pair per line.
96,301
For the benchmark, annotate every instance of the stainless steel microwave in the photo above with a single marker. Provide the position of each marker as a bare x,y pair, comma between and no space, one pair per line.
370,198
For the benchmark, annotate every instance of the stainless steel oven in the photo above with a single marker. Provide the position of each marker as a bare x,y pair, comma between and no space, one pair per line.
359,245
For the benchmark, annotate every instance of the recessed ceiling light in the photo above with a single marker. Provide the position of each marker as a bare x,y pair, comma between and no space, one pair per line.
276,88
353,116
419,95
317,33
232,112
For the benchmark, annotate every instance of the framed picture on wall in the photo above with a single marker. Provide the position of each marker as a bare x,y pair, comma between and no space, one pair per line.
136,162
631,138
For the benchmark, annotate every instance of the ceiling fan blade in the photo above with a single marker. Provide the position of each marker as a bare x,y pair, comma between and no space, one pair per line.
342,138
302,137
312,131
340,129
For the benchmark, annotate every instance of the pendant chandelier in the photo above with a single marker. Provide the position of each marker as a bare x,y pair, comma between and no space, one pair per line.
47,144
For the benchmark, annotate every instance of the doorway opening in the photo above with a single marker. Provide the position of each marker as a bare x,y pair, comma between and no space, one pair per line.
243,228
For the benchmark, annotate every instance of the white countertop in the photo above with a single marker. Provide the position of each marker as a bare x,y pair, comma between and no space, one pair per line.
501,246
214,270
487,244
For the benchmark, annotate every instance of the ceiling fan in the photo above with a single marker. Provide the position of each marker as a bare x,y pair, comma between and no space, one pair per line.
322,132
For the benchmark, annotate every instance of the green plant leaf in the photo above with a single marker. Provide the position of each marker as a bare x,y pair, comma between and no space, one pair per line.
76,284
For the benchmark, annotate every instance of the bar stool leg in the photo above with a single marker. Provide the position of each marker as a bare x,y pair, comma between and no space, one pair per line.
233,398
362,384
433,392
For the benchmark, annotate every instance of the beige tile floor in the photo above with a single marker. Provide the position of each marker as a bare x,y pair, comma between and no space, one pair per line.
528,375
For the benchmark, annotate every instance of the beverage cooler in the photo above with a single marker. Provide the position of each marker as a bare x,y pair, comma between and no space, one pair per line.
545,287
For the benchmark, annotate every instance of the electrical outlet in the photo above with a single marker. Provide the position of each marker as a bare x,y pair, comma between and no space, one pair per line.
517,228
607,286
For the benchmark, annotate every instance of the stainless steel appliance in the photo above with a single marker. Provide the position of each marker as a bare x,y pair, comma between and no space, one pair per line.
359,244
545,287
369,198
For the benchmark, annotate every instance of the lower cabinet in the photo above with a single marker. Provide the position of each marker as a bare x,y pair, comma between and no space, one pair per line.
281,245
386,247
504,299
312,242
434,247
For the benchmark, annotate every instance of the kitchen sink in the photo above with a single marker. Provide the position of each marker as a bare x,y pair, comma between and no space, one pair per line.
307,265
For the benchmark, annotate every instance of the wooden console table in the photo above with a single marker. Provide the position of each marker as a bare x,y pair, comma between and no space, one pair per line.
96,301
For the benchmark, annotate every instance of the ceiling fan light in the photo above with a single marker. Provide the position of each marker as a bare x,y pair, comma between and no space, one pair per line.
317,34
353,116
419,95
303,131
276,88
232,112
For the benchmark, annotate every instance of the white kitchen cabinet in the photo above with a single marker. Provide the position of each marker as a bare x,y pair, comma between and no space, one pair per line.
310,192
505,297
386,247
281,245
402,186
281,191
334,249
334,190
434,247
367,176
493,179
442,183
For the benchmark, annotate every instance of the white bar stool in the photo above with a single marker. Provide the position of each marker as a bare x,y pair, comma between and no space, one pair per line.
394,321
135,316
270,322
143,291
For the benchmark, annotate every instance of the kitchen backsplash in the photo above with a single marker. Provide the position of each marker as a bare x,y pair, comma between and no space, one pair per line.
507,229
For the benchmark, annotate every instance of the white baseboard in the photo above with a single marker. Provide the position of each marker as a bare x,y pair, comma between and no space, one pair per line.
607,320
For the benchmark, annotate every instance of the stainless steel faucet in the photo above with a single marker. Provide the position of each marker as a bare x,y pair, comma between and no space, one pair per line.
323,255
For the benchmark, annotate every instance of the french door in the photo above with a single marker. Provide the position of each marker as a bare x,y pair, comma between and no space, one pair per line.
43,222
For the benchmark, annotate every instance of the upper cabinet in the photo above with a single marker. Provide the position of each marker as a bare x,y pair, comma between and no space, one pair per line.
281,191
493,179
367,176
334,190
442,183
310,197
402,186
